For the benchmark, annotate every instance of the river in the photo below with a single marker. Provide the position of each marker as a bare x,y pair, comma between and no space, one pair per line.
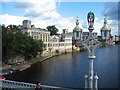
68,70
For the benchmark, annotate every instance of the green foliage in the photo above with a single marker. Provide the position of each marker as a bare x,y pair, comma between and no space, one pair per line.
82,48
53,30
15,43
13,28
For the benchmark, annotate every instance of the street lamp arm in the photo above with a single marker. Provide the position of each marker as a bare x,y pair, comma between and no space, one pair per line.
96,46
84,44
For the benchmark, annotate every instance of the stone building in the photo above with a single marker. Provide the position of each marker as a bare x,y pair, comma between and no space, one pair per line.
36,33
116,38
54,43
62,43
86,34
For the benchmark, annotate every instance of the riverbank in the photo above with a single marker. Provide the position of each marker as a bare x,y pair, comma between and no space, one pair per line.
27,64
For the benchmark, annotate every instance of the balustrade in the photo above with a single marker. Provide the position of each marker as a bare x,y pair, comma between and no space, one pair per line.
14,84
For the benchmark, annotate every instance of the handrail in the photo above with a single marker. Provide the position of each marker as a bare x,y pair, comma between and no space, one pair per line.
23,84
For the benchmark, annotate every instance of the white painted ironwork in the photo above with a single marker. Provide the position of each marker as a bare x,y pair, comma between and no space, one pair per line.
15,84
91,44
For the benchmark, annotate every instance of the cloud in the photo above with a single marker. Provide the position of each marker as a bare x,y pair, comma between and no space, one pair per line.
59,2
23,5
69,0
9,19
111,10
113,24
36,8
114,27
41,13
97,26
6,0
60,23
44,13
84,25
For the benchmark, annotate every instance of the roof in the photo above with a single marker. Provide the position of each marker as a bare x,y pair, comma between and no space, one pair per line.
70,34
77,28
54,37
39,29
105,26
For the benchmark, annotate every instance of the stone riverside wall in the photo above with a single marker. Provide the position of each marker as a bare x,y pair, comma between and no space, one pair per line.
26,64
56,52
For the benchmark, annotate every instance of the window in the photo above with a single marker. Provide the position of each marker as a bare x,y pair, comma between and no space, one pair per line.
41,36
46,38
105,33
77,34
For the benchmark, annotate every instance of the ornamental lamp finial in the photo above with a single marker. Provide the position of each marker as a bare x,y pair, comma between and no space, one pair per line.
90,18
77,21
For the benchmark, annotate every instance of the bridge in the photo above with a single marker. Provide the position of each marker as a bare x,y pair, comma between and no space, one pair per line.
13,85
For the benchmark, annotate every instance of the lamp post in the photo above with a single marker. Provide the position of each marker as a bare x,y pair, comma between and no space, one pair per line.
91,44
91,79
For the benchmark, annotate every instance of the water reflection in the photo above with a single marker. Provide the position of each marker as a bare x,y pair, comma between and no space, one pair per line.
68,70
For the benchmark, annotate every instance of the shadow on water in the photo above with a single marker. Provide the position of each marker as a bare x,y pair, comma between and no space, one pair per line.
68,70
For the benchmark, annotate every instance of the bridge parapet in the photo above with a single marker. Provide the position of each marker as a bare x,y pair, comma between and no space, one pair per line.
15,85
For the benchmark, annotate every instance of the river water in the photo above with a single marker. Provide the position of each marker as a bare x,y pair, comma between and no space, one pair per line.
68,70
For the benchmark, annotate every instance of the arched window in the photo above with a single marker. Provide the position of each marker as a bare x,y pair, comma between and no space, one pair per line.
77,34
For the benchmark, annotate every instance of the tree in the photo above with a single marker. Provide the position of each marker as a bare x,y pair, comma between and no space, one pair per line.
13,28
100,39
15,44
53,30
35,46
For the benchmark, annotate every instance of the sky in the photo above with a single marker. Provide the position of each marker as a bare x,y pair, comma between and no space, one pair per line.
61,13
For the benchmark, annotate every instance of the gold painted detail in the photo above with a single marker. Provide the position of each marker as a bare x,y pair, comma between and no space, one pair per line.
77,23
77,29
105,20
106,29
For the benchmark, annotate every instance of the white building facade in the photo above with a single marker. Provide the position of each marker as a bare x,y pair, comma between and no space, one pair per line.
36,33
62,43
